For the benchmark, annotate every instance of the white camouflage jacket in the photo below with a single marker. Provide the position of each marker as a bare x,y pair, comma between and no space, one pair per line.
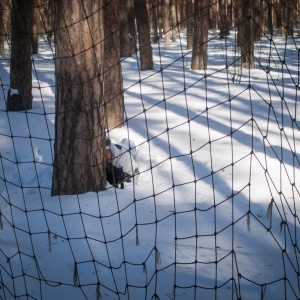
122,158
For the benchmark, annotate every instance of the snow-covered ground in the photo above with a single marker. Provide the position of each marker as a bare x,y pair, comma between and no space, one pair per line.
215,212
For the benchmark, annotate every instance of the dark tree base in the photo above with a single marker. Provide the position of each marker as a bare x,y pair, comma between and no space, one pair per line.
16,102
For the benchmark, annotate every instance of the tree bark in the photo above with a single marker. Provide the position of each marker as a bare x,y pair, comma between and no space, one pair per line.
174,20
153,11
290,19
230,17
190,23
201,14
257,15
159,9
184,16
213,14
167,22
79,159
269,17
245,36
239,21
35,30
143,29
21,64
125,35
132,26
223,13
113,81
50,20
2,31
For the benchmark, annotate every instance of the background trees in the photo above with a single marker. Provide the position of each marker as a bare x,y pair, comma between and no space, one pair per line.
113,94
143,29
200,41
20,92
2,31
89,96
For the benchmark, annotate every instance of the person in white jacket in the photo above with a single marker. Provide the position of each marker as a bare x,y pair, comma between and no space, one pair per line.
123,155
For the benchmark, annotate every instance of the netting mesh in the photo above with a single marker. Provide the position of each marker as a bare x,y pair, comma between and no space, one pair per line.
214,213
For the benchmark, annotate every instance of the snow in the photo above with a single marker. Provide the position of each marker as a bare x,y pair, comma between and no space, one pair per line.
12,91
217,150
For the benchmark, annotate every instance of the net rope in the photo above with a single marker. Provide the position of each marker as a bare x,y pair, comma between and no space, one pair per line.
215,213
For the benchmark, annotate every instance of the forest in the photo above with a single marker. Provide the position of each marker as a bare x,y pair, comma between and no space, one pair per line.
209,93
91,38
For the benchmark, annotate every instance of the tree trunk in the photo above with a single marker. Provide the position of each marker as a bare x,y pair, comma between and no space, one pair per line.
159,17
125,40
283,17
113,81
154,21
167,22
143,29
79,160
174,20
239,18
245,35
291,16
257,15
7,5
2,31
277,12
199,58
50,20
20,92
190,23
132,26
263,7
223,13
213,16
35,30
269,17
183,14
230,17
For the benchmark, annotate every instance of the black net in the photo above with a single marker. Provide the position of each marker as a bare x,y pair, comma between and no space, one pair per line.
213,213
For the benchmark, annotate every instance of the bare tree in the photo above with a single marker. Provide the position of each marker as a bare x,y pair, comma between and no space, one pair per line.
20,92
245,36
257,13
183,14
127,28
213,13
153,14
190,23
6,5
159,10
2,31
289,16
224,16
269,17
35,29
79,164
132,26
143,29
166,17
49,13
201,14
113,81
174,20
